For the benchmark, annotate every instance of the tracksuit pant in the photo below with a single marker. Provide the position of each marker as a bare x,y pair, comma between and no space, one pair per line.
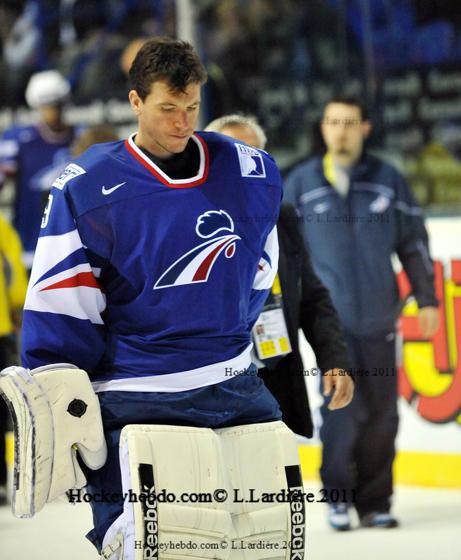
358,441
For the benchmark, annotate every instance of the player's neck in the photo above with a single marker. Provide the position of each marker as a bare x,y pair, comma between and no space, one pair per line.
55,133
346,163
153,148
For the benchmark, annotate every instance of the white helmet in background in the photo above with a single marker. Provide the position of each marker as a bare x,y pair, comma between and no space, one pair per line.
47,88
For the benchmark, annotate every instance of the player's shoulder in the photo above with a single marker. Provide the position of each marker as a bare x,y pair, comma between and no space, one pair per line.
100,154
383,171
306,173
20,133
215,139
88,168
310,166
219,143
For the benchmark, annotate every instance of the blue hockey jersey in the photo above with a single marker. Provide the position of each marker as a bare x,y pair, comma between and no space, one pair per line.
27,152
151,283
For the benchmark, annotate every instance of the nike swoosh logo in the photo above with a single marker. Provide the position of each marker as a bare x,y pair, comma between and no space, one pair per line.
112,189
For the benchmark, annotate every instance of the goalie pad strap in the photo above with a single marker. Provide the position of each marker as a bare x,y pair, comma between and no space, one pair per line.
263,458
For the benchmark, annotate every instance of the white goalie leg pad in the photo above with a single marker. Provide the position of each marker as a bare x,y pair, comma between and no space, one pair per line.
170,466
263,462
56,414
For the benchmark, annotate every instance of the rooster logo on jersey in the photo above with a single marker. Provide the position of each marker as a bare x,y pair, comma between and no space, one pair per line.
195,266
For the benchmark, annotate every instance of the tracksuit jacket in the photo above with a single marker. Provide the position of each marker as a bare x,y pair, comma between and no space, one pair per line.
351,240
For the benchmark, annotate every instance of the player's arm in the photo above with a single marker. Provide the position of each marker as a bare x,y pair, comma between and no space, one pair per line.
413,252
56,412
269,257
265,275
62,315
322,328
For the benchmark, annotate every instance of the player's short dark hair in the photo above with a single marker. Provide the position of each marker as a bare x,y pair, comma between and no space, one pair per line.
168,59
350,100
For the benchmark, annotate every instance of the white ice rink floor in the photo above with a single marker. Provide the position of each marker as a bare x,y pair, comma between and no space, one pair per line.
430,530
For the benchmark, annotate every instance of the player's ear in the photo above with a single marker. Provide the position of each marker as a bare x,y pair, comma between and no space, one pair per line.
135,101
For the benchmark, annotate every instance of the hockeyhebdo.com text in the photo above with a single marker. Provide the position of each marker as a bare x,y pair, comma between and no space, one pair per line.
352,372
220,495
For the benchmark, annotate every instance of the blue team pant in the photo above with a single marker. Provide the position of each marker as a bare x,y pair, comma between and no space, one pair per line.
359,440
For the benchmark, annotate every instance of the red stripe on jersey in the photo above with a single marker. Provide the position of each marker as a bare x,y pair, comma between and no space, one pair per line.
202,270
81,279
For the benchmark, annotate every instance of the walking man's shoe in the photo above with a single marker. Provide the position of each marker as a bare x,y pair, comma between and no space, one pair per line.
377,519
338,517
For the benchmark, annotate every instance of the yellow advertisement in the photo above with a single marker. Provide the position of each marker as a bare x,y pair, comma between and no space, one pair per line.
430,374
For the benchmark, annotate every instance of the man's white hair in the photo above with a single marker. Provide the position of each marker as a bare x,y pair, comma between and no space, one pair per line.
237,119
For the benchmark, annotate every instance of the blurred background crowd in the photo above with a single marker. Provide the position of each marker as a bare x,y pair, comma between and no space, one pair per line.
278,60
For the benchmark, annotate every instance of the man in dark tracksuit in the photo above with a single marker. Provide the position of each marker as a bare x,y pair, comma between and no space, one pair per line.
357,211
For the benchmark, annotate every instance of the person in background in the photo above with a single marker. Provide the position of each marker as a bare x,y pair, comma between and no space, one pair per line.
13,285
26,152
357,211
97,134
298,300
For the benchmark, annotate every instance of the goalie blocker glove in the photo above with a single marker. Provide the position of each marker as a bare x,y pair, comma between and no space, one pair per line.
56,414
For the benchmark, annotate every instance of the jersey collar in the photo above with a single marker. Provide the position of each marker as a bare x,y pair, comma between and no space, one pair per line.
198,179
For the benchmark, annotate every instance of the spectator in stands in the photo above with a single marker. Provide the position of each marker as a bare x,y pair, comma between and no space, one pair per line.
20,40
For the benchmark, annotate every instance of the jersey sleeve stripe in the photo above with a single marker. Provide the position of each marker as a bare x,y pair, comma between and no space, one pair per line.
74,259
80,279
62,281
267,266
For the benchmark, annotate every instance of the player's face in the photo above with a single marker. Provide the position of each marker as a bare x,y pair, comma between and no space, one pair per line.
167,119
51,115
344,132
241,132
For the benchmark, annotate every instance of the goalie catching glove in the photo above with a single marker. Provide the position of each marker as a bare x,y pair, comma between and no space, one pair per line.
55,413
